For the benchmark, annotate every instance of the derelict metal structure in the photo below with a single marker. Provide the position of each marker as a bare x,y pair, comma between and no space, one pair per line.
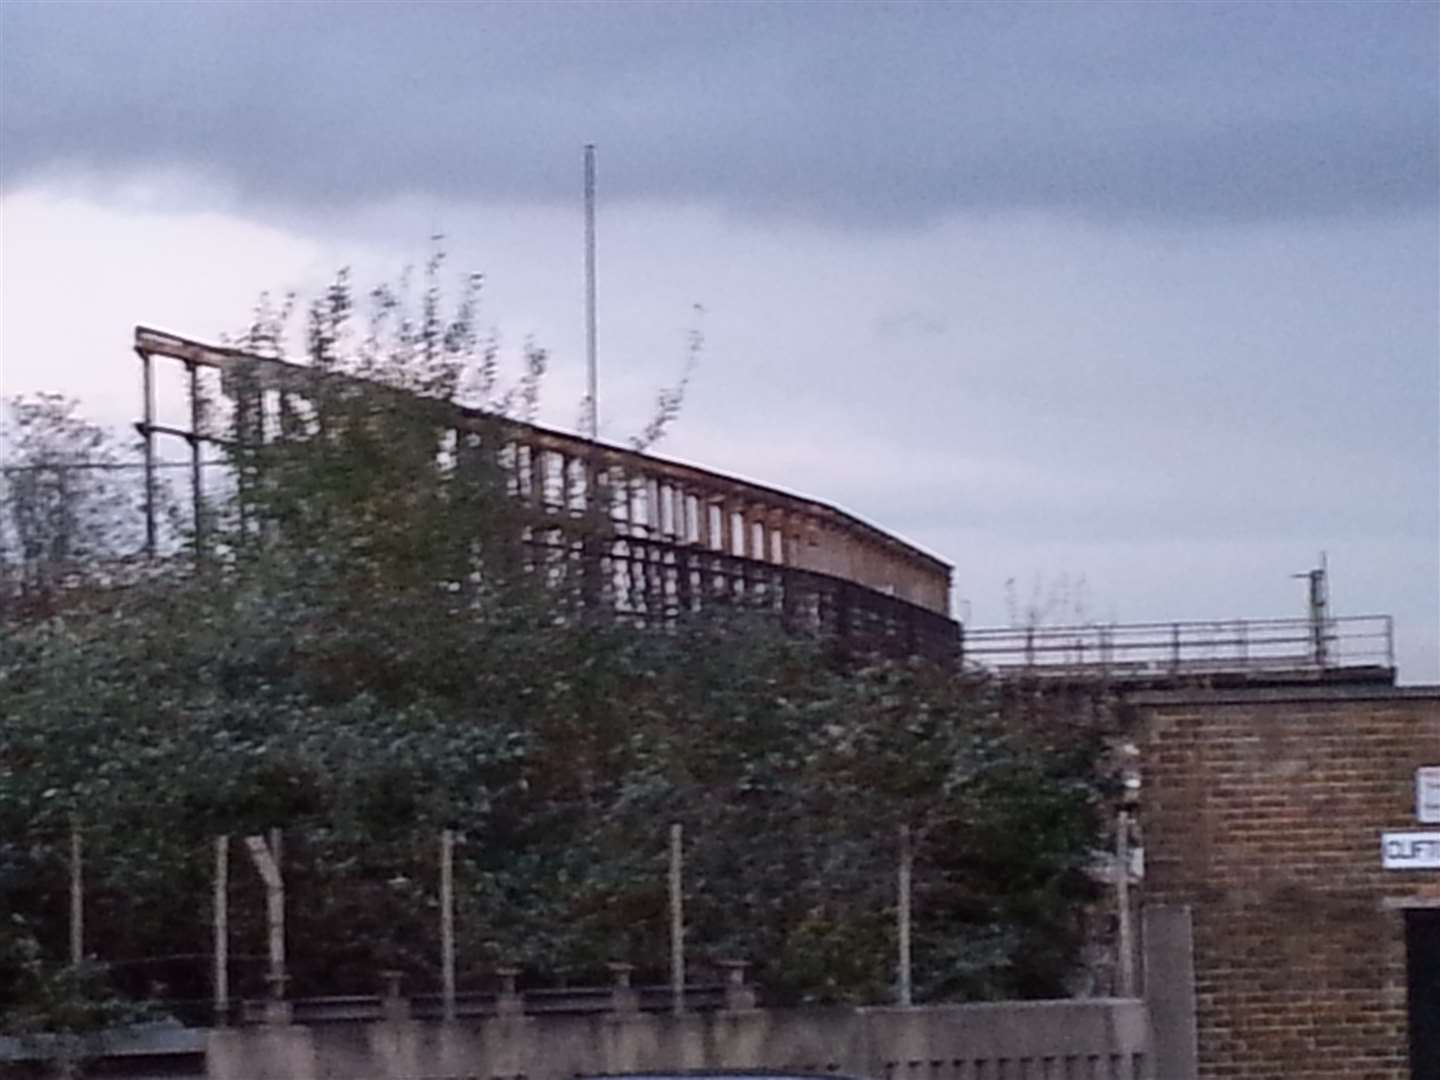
661,536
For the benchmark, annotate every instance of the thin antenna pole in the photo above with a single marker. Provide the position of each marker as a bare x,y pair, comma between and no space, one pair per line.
593,390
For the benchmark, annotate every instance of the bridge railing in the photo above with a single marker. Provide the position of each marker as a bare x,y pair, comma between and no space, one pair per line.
1188,648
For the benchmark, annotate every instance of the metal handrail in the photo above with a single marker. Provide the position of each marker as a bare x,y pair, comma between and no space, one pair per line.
1217,644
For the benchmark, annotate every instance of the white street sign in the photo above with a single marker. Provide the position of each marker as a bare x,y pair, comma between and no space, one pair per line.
1427,795
1410,850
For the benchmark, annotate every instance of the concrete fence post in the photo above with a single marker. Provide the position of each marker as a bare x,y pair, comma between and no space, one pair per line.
738,996
508,1001
623,998
394,1006
276,1009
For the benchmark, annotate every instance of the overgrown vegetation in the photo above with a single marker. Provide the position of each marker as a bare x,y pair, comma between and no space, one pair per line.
363,659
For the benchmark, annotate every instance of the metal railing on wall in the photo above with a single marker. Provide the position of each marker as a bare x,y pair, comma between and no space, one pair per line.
1197,647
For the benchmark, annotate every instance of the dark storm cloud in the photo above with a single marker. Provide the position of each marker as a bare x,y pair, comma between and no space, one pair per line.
842,112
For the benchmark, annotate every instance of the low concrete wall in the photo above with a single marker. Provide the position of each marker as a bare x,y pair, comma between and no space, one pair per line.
1096,1040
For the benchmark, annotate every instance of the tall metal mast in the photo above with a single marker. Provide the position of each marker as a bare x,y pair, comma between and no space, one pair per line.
593,391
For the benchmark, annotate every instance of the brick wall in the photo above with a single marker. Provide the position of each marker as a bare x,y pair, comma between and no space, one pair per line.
1262,809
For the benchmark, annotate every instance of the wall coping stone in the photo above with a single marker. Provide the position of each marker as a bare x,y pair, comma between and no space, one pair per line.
1324,693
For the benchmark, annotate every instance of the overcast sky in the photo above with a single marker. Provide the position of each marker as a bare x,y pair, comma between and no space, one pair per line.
1146,295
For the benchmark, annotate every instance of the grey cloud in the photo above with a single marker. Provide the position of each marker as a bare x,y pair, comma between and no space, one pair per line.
900,325
889,113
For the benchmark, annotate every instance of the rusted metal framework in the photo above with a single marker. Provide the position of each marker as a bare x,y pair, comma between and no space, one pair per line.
663,537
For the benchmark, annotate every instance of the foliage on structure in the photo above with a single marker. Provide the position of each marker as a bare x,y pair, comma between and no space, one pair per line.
365,654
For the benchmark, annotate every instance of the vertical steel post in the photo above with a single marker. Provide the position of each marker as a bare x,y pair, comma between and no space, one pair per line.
222,928
197,489
677,918
447,921
147,433
1319,612
77,896
902,912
